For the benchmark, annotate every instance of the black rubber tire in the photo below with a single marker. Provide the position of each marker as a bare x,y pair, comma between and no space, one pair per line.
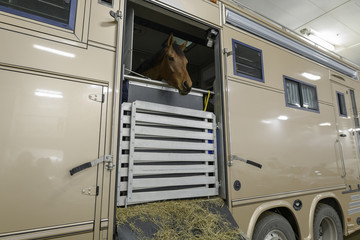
326,219
273,222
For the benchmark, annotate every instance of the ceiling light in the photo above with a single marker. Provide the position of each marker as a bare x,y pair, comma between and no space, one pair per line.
313,36
180,41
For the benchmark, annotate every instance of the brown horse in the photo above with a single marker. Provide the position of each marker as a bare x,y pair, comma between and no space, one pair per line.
169,64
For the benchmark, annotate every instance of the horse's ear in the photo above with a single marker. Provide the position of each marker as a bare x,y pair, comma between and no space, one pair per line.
170,40
183,46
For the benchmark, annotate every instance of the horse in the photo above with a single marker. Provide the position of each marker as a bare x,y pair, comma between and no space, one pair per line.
169,64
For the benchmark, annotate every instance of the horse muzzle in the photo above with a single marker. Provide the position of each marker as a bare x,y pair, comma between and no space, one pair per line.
186,89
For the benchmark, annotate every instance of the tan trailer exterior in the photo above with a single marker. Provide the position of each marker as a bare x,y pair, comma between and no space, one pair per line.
61,105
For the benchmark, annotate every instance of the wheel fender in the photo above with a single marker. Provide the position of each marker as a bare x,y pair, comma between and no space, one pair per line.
263,208
314,203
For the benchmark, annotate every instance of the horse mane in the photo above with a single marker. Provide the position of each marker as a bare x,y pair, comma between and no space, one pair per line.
154,60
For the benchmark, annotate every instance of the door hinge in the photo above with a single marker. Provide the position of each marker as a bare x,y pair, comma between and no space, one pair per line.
90,191
116,15
227,53
97,97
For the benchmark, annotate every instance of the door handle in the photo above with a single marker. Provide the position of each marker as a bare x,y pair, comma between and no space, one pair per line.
255,164
342,135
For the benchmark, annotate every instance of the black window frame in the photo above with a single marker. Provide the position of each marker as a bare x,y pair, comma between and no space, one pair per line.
260,68
301,95
341,107
71,21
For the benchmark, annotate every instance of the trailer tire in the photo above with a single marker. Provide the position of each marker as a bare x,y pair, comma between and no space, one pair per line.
327,224
273,226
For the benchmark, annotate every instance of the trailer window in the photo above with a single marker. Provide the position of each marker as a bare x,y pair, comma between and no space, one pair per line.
341,104
300,95
247,61
60,13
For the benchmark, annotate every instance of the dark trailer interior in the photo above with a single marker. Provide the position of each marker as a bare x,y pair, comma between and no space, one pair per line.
147,31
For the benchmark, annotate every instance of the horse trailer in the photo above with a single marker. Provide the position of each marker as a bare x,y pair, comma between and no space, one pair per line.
270,125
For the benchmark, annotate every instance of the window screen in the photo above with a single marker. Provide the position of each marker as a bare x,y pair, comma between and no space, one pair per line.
56,12
300,95
341,104
247,61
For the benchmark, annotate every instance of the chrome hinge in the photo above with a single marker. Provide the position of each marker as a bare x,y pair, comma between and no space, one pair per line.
90,191
230,162
116,15
227,53
97,97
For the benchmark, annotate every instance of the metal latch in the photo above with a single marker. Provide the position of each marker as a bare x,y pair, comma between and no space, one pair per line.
107,159
90,191
97,97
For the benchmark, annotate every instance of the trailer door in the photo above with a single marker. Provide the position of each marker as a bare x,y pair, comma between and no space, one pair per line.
346,146
48,126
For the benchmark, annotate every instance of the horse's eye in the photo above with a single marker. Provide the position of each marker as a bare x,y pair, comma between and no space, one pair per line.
171,58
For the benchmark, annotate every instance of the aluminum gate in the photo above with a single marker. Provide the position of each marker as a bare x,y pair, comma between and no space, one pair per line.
166,153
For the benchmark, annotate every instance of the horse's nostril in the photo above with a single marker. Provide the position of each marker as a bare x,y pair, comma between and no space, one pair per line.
186,85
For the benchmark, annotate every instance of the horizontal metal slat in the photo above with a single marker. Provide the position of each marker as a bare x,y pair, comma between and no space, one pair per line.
174,110
149,157
175,145
125,132
173,133
172,169
124,172
126,119
145,183
172,121
167,182
163,195
169,157
125,145
126,106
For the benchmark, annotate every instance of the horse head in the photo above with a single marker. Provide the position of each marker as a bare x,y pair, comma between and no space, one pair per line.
169,64
173,67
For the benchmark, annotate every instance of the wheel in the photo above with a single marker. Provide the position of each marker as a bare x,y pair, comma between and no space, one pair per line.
327,224
273,226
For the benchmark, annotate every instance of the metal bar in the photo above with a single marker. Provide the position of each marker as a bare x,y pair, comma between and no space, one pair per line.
172,133
169,157
131,151
163,195
171,121
117,17
168,182
149,157
162,84
147,106
227,106
175,145
169,169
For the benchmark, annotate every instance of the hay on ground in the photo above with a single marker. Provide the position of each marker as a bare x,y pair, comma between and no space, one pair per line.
179,219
